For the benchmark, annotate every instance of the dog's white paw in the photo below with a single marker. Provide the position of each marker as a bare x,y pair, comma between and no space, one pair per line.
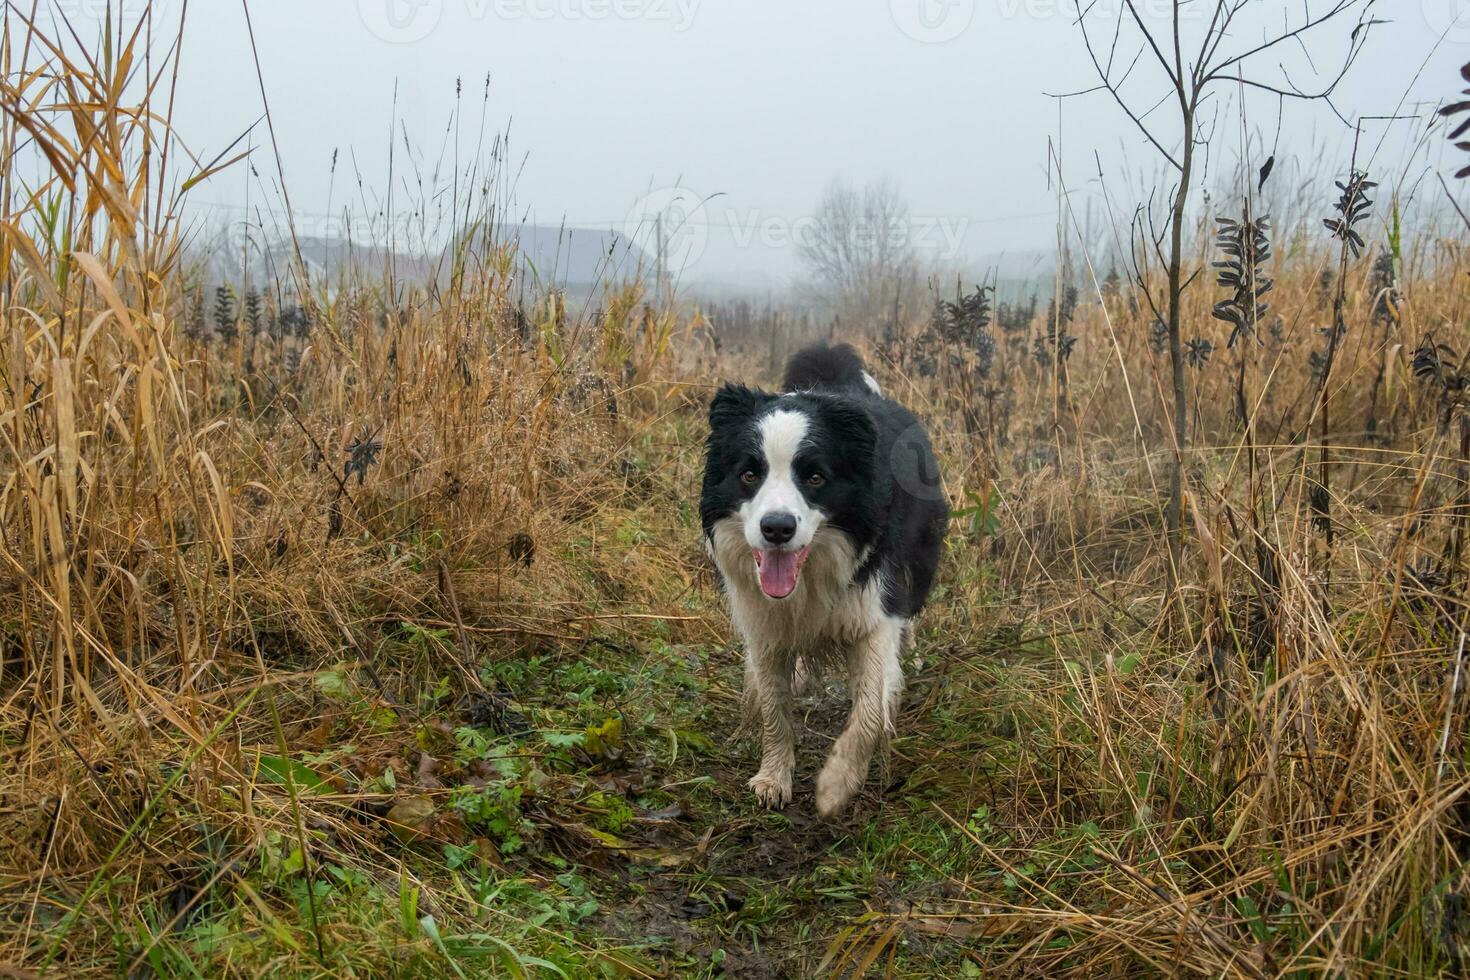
836,784
772,791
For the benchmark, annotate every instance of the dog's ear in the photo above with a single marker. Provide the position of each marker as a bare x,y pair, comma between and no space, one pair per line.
735,405
852,427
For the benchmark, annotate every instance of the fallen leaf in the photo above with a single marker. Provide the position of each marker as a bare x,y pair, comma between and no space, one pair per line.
605,740
668,814
410,818
425,772
275,769
643,854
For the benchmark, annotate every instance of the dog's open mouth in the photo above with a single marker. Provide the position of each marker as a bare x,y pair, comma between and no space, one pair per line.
778,570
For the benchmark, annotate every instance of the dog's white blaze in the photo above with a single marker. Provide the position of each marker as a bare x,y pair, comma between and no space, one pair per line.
782,434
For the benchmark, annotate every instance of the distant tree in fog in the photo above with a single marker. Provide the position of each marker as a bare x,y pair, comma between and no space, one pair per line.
857,238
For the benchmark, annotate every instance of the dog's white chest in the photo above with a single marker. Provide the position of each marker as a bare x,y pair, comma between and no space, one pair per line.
826,608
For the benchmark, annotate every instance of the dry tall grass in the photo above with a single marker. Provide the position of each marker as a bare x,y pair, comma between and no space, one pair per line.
1277,786
192,526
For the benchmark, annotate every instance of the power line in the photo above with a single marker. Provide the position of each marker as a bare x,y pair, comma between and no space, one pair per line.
613,224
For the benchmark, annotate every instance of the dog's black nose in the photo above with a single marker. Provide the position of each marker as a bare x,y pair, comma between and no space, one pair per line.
778,528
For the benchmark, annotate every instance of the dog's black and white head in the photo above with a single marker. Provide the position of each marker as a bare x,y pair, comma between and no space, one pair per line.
788,472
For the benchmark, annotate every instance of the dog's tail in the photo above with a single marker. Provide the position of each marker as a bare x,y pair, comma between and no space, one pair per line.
834,367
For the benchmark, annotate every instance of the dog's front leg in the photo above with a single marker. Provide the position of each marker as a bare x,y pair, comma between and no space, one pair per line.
769,671
876,678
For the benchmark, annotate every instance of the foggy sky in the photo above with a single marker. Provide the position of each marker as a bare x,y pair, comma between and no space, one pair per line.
760,102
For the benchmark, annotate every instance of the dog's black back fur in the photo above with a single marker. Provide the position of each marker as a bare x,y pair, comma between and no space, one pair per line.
889,499
835,368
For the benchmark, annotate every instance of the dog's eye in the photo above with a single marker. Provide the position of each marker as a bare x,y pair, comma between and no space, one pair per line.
748,478
815,480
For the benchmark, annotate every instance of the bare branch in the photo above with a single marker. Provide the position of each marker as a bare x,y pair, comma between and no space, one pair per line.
1325,97
1148,35
1138,268
1210,34
1112,90
1340,6
1456,204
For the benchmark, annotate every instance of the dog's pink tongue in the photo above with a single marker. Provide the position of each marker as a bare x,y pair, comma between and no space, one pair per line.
778,571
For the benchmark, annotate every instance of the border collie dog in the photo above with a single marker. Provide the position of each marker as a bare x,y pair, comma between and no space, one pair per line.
824,513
